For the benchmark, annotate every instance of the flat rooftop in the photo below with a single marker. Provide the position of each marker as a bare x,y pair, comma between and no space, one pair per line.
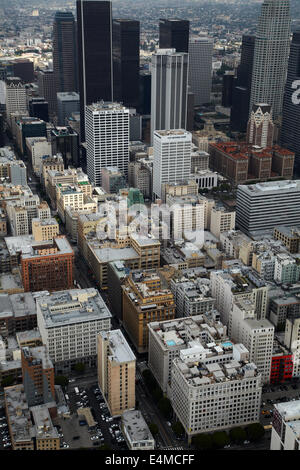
29,335
107,254
68,96
17,305
73,306
106,106
119,349
38,354
198,373
10,281
262,189
18,414
201,330
136,426
173,133
28,247
42,423
144,241
290,410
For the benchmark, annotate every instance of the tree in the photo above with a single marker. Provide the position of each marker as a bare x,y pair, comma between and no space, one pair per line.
178,428
255,432
79,367
61,380
165,407
237,435
8,381
220,439
153,429
203,442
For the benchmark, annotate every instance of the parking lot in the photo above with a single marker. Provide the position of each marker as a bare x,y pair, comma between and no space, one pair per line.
5,442
75,432
273,394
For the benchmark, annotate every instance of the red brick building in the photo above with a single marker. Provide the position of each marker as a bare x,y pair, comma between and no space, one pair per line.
48,266
242,162
38,375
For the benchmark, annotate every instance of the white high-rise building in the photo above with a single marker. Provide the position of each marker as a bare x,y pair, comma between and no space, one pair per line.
200,68
69,322
261,207
16,99
272,45
256,335
217,395
172,158
107,138
169,90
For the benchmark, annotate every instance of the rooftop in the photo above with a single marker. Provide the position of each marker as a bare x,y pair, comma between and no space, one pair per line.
72,306
68,96
38,355
289,411
17,305
42,423
204,331
18,414
119,349
260,189
29,248
106,106
136,426
198,373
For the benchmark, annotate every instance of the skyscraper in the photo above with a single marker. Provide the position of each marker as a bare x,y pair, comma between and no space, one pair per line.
94,27
174,34
126,61
64,52
116,371
107,138
38,107
169,89
67,103
242,86
200,68
271,54
47,89
15,97
260,130
228,83
172,158
261,207
290,136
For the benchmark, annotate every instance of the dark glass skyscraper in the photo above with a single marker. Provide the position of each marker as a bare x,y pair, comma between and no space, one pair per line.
242,87
126,61
290,131
64,52
94,26
174,33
